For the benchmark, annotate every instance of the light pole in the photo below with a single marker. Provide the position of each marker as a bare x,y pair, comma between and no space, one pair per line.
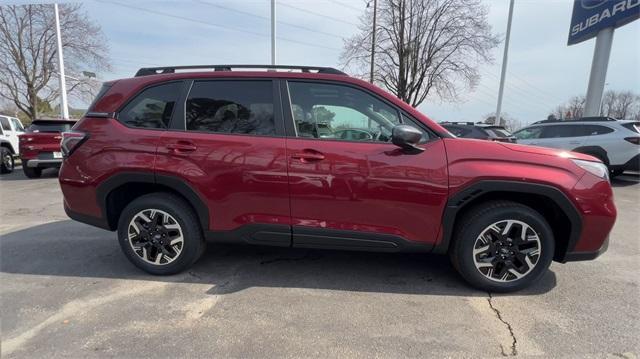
504,64
64,109
273,32
373,38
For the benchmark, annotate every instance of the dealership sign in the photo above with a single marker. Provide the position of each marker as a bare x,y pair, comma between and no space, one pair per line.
591,16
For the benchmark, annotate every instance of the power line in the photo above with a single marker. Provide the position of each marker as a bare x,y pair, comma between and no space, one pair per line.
216,25
345,5
267,18
318,14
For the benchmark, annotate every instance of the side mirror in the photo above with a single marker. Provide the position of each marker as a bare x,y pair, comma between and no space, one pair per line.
406,137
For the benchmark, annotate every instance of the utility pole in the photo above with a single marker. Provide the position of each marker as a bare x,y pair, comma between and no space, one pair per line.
273,32
373,38
504,64
64,110
599,65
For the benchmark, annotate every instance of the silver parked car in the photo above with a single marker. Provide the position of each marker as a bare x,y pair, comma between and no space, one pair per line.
615,142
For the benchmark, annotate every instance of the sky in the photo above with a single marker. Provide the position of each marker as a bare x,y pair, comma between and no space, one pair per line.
543,71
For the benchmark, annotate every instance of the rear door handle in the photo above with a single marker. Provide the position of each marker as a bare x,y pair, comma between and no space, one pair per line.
182,146
308,156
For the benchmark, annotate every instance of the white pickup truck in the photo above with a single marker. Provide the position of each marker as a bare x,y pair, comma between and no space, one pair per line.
10,128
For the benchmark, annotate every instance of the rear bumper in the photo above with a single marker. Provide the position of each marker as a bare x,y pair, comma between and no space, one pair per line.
94,221
44,163
587,256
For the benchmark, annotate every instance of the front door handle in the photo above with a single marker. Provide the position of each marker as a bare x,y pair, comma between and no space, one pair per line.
307,156
182,146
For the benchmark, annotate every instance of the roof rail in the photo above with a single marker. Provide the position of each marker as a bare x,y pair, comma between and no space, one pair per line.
579,119
145,71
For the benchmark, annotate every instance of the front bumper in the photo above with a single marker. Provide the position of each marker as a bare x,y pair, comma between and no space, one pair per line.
587,256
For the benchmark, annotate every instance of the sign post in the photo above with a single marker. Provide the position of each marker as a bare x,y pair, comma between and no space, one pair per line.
599,18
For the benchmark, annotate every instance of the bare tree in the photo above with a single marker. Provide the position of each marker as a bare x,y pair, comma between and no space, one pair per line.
28,53
575,107
621,105
423,46
507,121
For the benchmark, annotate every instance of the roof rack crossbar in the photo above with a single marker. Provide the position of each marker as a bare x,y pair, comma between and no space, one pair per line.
145,71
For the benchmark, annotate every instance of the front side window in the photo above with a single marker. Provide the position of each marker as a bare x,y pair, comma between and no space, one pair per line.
152,108
238,107
528,133
340,113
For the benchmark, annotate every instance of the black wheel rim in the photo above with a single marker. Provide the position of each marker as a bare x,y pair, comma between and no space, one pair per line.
155,236
507,250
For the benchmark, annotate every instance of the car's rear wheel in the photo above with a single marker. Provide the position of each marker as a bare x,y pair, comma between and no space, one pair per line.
502,246
6,160
31,172
160,233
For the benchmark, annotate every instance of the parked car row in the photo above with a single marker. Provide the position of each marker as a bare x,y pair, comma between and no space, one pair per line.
37,146
614,142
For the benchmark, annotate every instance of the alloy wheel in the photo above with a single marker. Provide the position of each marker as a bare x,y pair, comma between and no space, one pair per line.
506,250
155,236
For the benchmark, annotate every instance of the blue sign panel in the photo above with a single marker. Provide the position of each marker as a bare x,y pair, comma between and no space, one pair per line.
591,16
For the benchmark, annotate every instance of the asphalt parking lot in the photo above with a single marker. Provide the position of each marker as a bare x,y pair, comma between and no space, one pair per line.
67,290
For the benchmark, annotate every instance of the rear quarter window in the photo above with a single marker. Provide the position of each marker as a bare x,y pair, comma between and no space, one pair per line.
151,108
633,126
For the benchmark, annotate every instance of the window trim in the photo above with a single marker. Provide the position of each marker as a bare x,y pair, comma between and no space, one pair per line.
181,122
291,131
117,113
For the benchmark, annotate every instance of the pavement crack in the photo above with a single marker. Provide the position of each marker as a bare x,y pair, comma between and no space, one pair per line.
514,340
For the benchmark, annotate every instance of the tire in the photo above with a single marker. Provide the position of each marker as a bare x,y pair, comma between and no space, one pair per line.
31,172
475,232
170,210
6,160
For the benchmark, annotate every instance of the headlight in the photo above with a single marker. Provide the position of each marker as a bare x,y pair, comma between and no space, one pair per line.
595,168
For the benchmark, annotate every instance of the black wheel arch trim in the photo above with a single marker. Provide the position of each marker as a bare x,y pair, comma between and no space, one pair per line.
175,183
595,151
458,202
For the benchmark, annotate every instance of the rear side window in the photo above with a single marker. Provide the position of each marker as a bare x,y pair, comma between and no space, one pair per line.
590,130
5,124
633,126
557,131
152,108
239,107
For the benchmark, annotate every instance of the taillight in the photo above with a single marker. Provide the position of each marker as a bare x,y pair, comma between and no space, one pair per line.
634,140
72,140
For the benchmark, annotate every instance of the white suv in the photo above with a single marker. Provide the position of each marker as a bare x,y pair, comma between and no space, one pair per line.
10,128
615,142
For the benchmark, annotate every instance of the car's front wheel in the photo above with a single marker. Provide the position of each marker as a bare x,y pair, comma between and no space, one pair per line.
502,246
6,160
160,234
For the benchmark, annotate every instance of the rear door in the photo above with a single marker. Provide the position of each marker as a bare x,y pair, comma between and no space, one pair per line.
350,187
229,146
9,133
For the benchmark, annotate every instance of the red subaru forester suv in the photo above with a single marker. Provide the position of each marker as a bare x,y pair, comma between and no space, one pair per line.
313,158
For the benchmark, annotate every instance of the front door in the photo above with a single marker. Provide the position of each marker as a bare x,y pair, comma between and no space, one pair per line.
350,187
